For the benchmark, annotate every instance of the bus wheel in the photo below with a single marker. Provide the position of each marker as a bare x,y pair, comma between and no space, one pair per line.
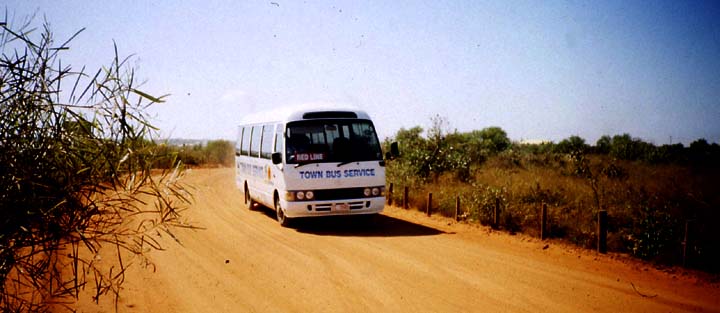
249,202
282,219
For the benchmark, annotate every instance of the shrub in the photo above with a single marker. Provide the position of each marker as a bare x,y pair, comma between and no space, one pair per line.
220,152
655,232
214,153
573,144
625,147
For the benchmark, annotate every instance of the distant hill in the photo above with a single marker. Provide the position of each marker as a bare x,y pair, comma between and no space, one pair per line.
179,142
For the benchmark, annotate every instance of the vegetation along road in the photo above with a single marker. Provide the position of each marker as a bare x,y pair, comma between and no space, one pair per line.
243,261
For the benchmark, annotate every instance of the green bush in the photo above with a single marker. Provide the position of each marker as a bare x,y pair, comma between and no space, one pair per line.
656,233
425,159
221,152
573,144
214,153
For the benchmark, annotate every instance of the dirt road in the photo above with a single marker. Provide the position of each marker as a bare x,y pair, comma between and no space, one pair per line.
245,262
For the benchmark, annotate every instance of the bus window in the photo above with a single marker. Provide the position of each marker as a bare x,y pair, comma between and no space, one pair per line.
245,147
255,143
364,139
238,143
279,142
267,142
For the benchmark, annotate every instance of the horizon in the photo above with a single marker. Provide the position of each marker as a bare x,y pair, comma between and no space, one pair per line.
204,141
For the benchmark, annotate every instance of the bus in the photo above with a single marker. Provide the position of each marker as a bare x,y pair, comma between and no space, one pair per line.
311,161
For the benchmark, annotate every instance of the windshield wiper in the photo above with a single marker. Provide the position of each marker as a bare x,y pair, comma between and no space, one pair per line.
343,163
304,163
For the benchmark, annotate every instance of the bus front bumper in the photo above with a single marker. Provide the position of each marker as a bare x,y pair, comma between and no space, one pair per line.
333,207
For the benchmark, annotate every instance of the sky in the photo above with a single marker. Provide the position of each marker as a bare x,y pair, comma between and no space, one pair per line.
540,70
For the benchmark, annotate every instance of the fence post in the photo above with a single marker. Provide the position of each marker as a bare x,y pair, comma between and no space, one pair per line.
543,222
602,232
405,198
429,204
496,213
457,208
390,195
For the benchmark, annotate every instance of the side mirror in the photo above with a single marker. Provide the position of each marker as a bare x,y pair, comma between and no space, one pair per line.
276,158
394,150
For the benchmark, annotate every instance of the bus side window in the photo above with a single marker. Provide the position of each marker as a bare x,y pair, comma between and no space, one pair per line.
279,138
238,143
267,141
245,147
255,143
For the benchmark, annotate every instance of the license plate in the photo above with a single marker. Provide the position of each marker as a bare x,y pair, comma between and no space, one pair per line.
342,207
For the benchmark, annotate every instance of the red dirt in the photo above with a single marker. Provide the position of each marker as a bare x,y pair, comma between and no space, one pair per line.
243,261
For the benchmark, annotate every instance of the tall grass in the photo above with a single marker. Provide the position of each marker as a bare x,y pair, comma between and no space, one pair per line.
76,174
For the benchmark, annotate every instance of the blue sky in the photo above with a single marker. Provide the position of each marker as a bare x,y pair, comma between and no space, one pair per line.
538,69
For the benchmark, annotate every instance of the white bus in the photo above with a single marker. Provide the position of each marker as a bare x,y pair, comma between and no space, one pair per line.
311,162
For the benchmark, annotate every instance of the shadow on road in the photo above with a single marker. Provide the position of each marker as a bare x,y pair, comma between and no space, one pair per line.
363,226
359,226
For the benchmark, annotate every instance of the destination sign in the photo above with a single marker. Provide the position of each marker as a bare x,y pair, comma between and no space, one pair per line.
309,157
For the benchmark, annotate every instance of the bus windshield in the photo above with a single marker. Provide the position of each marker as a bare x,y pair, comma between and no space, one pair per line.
324,141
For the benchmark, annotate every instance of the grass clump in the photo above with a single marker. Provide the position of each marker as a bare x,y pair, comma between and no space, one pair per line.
76,173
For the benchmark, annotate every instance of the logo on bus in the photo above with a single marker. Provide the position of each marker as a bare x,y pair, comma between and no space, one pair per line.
362,172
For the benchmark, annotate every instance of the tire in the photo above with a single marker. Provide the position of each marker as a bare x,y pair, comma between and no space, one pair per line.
249,202
282,219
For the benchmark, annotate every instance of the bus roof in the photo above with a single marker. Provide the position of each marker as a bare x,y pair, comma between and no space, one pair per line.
303,112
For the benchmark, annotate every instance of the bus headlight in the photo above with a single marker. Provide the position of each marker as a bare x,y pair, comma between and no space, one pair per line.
367,192
300,195
376,191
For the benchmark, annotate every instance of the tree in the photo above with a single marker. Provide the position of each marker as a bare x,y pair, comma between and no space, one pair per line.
489,140
410,139
674,153
625,147
703,153
413,151
427,158
220,152
75,159
478,145
572,144
603,145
